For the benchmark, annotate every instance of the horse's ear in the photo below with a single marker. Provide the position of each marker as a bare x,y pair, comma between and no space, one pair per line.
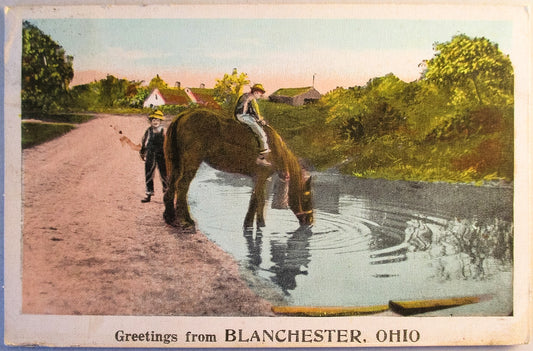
308,183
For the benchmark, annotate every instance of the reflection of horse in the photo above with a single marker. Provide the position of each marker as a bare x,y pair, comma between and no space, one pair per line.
201,135
290,258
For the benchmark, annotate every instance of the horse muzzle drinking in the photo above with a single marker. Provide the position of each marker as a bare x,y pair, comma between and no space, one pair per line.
306,218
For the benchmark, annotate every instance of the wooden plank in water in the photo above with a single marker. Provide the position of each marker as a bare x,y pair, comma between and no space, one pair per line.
407,308
328,311
391,259
389,250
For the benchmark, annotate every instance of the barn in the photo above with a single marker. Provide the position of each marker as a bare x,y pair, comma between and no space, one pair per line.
295,96
179,96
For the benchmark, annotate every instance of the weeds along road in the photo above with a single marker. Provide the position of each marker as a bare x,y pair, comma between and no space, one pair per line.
91,247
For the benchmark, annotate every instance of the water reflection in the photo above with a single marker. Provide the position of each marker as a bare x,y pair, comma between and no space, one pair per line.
372,241
254,246
290,259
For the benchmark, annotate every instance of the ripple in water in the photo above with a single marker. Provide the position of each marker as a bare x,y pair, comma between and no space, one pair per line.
346,257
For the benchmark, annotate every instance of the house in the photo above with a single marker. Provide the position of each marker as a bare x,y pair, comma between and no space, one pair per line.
295,96
203,96
179,96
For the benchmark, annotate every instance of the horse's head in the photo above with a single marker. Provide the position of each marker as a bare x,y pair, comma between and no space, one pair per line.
302,204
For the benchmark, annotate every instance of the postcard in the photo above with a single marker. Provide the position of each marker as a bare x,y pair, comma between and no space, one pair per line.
275,175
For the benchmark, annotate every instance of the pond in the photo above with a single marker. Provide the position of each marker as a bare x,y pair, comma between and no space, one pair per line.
373,241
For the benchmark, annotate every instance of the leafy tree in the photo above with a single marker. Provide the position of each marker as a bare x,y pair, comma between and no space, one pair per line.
108,92
133,88
85,96
157,82
138,99
362,113
112,91
428,109
228,89
473,70
46,71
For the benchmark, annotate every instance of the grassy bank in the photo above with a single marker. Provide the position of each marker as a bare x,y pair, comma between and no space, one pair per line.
35,133
39,128
475,155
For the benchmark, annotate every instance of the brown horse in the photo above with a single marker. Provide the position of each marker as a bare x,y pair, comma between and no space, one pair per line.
201,135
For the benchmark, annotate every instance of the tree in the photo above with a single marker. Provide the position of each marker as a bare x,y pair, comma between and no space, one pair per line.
46,71
84,97
112,91
138,99
228,89
158,83
472,69
362,113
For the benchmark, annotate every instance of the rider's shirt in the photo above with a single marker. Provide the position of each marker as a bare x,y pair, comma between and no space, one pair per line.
247,105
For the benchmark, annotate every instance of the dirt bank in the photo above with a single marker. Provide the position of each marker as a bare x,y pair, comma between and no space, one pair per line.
91,247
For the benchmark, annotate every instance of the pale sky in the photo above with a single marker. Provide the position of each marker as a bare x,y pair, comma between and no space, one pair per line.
276,52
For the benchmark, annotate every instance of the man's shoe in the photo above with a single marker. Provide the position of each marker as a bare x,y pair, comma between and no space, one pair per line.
261,161
146,199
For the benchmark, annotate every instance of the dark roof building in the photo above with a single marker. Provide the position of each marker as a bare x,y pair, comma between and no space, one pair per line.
295,96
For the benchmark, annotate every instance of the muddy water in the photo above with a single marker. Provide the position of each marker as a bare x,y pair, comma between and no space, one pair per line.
356,253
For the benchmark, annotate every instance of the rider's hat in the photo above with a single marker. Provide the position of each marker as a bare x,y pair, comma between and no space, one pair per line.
258,87
157,114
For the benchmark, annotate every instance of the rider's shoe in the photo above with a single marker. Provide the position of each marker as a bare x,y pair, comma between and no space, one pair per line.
261,161
146,199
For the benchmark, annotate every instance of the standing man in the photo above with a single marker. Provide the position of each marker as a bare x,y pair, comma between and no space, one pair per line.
152,153
247,112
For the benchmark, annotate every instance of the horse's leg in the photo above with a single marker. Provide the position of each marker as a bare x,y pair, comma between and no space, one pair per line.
182,188
260,187
257,203
170,211
250,215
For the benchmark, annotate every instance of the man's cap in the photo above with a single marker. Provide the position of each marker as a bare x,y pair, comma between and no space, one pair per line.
157,114
258,87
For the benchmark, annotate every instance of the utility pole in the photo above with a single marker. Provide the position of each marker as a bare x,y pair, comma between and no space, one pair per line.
314,74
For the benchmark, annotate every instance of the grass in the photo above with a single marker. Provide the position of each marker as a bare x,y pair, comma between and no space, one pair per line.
48,126
59,118
477,158
35,133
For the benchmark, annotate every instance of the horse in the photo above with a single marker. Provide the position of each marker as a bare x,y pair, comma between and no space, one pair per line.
212,136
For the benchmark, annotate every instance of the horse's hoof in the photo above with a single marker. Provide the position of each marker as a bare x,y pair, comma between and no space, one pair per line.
187,228
173,224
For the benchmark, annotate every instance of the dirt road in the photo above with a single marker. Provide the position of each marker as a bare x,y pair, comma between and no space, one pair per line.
91,247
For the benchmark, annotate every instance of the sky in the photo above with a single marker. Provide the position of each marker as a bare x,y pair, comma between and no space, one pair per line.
277,52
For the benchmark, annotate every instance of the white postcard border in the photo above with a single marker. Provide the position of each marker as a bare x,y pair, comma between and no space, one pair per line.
51,330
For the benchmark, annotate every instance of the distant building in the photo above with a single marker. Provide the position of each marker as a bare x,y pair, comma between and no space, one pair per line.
295,96
203,96
182,97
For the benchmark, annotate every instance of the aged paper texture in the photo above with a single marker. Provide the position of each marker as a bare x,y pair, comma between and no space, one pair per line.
267,175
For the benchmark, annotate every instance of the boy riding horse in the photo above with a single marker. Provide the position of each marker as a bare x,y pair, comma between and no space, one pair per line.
247,112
